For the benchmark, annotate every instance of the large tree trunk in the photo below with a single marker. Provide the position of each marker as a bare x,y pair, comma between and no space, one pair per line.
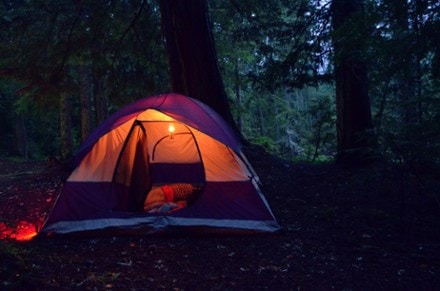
191,53
354,123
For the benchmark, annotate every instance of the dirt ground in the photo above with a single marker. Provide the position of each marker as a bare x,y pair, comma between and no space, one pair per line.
376,228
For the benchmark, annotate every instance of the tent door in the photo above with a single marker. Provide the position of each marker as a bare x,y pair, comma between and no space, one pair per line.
133,170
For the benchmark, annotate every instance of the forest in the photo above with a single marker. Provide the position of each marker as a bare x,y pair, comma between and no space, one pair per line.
66,67
337,104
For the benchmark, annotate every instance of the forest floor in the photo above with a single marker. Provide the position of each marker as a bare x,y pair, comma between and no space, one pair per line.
375,228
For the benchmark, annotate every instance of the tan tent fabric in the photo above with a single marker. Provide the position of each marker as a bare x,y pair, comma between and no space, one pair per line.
99,163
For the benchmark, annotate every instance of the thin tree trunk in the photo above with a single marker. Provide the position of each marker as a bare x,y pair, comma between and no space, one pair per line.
101,97
277,122
238,96
261,122
65,127
407,79
21,140
85,96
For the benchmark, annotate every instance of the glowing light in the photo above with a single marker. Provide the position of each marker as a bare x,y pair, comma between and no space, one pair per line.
24,231
171,129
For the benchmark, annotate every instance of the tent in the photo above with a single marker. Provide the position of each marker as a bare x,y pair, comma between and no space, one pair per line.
155,144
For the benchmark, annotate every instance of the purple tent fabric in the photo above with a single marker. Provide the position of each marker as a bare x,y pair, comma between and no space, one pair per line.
220,200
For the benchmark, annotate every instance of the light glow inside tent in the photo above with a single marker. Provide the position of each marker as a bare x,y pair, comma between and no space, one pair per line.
171,129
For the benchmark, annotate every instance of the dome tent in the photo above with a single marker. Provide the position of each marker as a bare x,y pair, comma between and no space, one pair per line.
153,143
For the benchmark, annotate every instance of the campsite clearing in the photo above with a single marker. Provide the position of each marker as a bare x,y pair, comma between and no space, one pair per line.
342,229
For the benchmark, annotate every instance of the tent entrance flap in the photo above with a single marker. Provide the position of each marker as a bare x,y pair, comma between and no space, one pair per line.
133,170
152,155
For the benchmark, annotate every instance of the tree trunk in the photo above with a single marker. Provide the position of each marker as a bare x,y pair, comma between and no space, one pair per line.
354,123
101,97
65,127
21,140
237,90
407,78
191,53
85,96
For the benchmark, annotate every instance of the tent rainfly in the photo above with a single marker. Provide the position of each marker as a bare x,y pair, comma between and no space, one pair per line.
161,164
